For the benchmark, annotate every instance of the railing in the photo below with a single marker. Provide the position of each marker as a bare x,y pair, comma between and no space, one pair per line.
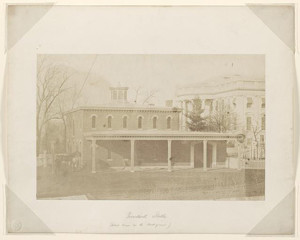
253,164
222,164
44,160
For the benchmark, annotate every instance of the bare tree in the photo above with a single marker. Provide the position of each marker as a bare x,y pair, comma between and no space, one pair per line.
256,130
69,100
150,95
51,83
143,96
222,119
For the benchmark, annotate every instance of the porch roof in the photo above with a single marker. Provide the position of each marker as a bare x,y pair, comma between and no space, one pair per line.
159,135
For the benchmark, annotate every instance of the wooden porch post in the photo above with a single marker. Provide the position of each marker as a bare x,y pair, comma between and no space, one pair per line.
94,156
204,155
169,155
192,154
132,155
214,155
239,158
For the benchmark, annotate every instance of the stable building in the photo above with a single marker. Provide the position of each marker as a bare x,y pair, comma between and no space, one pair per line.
131,136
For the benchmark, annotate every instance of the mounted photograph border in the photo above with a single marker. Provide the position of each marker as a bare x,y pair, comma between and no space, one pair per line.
5,165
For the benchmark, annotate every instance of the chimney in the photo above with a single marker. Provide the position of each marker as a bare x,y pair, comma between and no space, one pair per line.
118,94
169,103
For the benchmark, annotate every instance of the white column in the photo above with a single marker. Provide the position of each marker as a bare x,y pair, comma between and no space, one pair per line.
93,156
181,117
214,155
192,155
203,104
227,162
132,142
214,105
239,154
227,165
204,155
81,152
185,107
169,155
185,112
189,106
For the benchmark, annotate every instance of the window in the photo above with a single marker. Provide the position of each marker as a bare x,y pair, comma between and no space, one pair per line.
140,122
262,138
114,95
120,95
125,95
263,123
169,123
217,106
263,104
73,127
93,121
248,123
125,122
109,121
249,102
211,105
154,122
234,123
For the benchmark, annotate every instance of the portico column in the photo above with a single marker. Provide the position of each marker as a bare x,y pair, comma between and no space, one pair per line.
192,155
204,155
181,116
132,142
214,155
203,104
239,154
169,155
81,153
185,113
93,156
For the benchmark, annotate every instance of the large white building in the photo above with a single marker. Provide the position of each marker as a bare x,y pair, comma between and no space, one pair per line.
241,98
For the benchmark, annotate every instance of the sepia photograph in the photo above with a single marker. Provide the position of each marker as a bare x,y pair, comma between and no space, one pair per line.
173,119
150,127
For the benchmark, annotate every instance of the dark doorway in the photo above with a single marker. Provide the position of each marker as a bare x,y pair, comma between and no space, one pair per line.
198,155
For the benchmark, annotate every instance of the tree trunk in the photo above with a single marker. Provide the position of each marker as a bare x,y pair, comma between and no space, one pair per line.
65,135
38,142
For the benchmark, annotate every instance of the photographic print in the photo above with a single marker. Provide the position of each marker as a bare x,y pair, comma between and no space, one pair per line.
150,127
150,119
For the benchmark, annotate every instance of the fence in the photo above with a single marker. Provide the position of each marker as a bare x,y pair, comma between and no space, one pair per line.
253,164
44,160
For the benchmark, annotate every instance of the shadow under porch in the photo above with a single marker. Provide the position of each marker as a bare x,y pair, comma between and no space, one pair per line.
110,154
147,153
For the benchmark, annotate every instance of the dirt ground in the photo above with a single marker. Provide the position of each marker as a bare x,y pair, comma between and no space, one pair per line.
181,184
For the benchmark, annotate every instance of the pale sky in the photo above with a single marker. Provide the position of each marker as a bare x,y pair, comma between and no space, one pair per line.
160,72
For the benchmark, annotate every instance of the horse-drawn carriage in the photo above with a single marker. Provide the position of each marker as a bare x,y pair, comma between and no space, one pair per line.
67,161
